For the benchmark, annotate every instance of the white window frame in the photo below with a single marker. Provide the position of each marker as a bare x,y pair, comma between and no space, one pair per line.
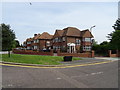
86,48
29,42
48,43
63,38
87,39
78,41
35,47
28,47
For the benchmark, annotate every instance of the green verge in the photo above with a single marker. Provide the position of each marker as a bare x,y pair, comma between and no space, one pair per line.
35,59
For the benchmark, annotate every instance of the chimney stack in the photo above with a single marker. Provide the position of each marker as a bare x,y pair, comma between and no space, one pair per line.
35,34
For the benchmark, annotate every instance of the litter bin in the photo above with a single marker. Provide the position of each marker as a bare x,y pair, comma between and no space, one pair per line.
67,58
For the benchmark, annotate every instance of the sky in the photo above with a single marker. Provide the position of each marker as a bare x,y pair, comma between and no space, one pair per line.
27,20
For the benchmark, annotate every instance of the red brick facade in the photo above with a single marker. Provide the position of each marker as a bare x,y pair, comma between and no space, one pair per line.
81,39
117,54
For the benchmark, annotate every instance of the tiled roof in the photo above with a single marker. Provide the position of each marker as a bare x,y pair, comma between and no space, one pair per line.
29,39
45,35
84,31
71,31
60,32
24,42
37,36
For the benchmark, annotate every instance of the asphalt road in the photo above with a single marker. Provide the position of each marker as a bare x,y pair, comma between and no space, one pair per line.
94,76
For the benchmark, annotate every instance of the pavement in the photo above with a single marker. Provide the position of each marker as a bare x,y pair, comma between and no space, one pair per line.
82,62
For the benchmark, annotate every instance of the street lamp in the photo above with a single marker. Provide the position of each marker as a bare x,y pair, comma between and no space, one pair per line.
91,28
91,42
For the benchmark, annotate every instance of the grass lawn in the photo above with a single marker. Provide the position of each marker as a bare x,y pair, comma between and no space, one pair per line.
34,59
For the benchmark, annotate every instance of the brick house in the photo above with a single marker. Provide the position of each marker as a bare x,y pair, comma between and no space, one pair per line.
72,40
69,39
39,42
29,42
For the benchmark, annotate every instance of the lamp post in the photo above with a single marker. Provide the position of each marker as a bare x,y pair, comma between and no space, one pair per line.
91,28
91,42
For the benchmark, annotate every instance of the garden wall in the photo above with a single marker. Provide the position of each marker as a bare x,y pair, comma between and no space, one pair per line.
31,52
76,54
117,54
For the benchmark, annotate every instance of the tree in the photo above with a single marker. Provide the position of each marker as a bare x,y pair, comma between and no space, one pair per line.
17,44
117,25
8,38
114,37
115,41
101,49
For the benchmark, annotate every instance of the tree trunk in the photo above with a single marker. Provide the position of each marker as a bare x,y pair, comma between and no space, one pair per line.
8,53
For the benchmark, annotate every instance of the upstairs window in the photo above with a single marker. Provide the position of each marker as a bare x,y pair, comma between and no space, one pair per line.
59,39
87,39
36,41
28,42
63,38
48,43
78,42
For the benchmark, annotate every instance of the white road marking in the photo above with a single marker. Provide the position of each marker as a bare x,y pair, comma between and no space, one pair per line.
10,85
87,74
58,78
96,73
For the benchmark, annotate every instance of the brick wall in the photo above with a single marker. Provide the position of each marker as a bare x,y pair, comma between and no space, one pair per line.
32,52
70,39
76,54
114,55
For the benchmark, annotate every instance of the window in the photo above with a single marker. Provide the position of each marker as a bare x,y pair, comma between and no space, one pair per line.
35,47
36,41
28,42
24,44
63,38
78,42
28,48
87,40
56,39
48,43
87,48
53,47
53,40
59,39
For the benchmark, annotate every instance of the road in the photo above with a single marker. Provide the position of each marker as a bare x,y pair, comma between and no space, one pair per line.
94,76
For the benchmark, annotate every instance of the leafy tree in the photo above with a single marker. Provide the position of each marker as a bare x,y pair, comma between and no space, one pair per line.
115,41
104,43
101,49
8,38
114,37
17,44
